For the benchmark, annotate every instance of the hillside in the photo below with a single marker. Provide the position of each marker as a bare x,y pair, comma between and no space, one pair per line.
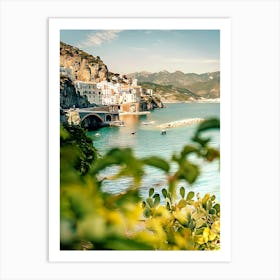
86,67
170,93
205,85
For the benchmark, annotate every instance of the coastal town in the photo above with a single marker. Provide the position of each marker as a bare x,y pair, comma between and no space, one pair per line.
94,97
108,93
117,96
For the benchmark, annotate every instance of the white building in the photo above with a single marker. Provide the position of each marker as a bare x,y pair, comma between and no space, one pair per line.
109,93
148,91
89,90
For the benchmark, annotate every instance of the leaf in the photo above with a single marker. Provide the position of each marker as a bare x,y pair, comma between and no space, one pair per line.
188,172
168,206
213,123
188,150
212,211
164,192
182,203
212,154
182,192
217,207
101,164
151,191
150,201
156,200
201,141
147,213
208,204
206,125
157,162
205,200
190,195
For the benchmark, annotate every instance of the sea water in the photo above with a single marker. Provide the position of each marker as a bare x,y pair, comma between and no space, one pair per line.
144,137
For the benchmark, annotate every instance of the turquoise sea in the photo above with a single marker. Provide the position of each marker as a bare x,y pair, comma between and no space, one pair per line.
148,140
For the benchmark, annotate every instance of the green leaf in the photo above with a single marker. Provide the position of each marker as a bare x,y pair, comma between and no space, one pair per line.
208,204
182,192
209,124
156,200
201,141
190,195
188,171
168,206
182,203
150,201
101,164
188,150
164,193
212,211
147,212
151,191
217,207
157,162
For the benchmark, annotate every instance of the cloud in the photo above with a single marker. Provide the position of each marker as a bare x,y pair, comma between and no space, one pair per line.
100,37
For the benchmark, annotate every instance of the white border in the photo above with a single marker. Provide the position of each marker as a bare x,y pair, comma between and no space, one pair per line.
55,25
23,203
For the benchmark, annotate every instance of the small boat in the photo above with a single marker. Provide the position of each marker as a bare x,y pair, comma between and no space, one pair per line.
163,132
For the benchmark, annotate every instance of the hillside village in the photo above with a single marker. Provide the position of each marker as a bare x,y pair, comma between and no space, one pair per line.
86,82
106,93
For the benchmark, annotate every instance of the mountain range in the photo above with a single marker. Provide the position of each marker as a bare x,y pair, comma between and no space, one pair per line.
205,85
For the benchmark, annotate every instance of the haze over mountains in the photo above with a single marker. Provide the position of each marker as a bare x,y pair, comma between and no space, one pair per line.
205,85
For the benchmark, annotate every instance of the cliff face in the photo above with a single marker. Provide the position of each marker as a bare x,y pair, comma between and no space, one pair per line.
68,95
84,66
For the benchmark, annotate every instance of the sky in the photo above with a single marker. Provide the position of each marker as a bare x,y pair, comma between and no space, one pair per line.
129,51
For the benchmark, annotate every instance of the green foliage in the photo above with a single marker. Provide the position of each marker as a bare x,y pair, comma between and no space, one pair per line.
76,148
157,162
92,219
187,224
